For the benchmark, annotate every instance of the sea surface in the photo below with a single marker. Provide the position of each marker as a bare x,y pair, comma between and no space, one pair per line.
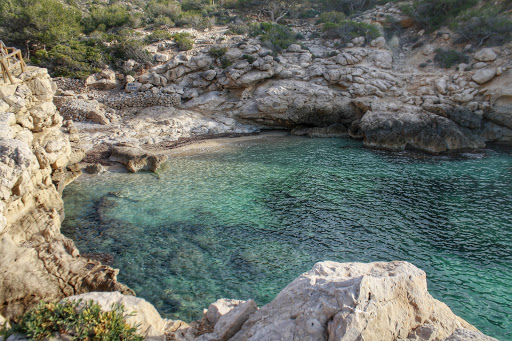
244,221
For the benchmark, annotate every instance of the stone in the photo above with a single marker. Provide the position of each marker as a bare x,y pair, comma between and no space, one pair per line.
415,129
104,80
382,59
161,58
230,323
139,312
294,48
486,55
479,65
484,75
219,308
354,301
380,42
96,168
135,158
98,117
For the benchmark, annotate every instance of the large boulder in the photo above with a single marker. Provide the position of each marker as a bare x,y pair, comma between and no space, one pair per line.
356,301
418,130
289,103
136,158
486,55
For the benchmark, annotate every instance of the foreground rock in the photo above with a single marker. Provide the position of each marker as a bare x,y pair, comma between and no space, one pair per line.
355,301
38,158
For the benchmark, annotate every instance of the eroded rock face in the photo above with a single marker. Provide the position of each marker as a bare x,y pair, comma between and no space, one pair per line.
37,160
356,301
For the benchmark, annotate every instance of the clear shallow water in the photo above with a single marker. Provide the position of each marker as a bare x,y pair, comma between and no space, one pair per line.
244,221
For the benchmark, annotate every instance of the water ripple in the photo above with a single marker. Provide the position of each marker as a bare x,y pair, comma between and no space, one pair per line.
242,223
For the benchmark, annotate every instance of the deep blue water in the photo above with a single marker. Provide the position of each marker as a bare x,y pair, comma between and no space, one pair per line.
244,221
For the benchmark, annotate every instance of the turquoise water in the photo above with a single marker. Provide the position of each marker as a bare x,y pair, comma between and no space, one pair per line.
244,221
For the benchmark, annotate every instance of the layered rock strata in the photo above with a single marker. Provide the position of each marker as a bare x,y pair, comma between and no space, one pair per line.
375,91
38,157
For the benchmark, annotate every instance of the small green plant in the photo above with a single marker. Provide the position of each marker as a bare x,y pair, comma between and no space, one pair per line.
217,51
348,30
486,26
332,16
183,40
158,35
249,58
273,36
238,29
80,321
447,58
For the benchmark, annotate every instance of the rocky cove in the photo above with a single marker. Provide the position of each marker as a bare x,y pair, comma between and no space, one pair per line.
366,91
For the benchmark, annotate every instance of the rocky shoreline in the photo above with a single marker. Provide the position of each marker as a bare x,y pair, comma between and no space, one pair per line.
364,91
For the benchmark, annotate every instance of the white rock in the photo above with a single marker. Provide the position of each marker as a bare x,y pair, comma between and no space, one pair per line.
484,75
294,48
486,55
380,42
353,301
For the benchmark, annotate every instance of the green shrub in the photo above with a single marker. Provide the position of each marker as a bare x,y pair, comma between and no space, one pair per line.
273,36
348,30
447,58
158,35
163,21
217,51
183,41
332,16
86,322
105,18
348,6
484,27
193,5
434,14
249,58
195,20
75,60
162,8
40,22
238,29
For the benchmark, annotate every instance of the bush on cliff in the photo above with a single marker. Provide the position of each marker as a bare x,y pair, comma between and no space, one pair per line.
80,321
434,14
347,30
75,60
273,36
43,23
486,26
447,58
183,40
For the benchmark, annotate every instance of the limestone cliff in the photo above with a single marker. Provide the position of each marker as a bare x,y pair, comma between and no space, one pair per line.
37,160
387,92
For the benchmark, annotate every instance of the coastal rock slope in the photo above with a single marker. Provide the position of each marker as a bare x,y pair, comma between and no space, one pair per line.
333,301
38,157
356,301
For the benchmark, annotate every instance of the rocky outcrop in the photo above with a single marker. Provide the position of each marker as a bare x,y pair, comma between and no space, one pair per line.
38,157
370,89
356,301
136,158
333,301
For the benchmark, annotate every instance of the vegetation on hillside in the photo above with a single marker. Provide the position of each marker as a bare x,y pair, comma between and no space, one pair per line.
74,38
79,321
